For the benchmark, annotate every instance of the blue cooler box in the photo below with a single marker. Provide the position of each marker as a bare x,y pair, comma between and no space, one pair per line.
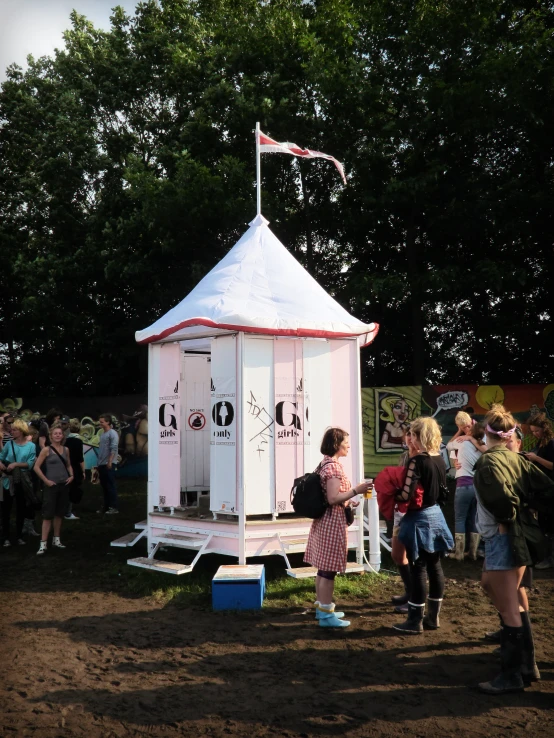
238,587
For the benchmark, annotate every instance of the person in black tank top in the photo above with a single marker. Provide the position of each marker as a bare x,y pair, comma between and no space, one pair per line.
423,529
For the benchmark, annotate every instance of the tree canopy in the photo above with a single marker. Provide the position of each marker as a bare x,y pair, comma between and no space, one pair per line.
127,171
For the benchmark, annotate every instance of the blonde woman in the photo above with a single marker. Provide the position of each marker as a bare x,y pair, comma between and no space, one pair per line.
507,484
423,530
17,457
57,476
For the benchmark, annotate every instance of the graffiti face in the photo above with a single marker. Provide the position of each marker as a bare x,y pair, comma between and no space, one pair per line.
401,411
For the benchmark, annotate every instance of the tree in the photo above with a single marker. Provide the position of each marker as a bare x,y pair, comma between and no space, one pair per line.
127,172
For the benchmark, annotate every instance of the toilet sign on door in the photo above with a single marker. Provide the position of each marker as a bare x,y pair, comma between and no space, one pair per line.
196,420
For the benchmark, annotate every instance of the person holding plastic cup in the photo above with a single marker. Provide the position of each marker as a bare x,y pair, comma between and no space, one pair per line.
327,546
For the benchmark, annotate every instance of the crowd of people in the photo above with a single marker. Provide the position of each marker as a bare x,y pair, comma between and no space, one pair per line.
504,498
43,470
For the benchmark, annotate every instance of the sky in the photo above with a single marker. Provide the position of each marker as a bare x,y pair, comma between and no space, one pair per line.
36,26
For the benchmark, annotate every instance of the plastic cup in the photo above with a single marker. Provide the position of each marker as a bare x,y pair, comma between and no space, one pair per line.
368,494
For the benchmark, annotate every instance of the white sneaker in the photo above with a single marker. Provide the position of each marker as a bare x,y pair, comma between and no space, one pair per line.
6,543
71,516
42,549
112,511
21,542
56,543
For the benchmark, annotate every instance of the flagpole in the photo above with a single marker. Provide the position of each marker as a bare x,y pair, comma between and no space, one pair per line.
258,173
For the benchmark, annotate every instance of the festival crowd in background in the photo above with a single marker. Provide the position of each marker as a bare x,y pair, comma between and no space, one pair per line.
43,470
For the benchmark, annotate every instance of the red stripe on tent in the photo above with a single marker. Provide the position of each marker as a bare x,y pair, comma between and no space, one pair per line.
301,333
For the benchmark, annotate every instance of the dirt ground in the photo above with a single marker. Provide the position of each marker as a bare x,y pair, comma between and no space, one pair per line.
82,657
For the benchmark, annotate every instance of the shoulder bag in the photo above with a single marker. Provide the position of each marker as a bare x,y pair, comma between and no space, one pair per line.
24,479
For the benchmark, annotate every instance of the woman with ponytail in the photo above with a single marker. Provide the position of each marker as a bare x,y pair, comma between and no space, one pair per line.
507,487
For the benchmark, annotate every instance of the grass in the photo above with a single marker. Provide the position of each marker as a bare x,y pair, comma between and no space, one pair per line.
89,563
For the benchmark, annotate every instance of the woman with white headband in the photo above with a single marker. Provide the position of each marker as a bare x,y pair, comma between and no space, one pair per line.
508,487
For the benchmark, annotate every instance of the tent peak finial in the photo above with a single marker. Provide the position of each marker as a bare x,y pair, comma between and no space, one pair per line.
259,220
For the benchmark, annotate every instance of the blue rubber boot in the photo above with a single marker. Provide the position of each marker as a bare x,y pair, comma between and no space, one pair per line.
328,618
318,611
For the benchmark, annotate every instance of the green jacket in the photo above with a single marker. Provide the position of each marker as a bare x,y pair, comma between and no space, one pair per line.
509,487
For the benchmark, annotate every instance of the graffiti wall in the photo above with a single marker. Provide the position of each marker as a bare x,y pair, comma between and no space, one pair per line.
387,410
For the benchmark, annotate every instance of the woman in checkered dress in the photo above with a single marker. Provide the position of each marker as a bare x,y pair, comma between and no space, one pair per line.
328,540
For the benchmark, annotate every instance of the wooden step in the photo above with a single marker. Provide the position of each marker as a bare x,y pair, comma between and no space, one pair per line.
128,540
179,540
304,572
169,567
295,544
142,525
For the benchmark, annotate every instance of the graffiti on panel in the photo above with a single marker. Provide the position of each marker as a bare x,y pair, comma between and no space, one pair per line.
386,410
264,431
393,414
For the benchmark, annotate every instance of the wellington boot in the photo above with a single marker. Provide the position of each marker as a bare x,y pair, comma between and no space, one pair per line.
529,669
503,683
400,599
431,620
319,615
460,546
330,620
474,539
509,679
405,575
413,625
495,635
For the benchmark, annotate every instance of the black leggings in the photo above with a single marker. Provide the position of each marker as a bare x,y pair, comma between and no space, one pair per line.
19,497
427,564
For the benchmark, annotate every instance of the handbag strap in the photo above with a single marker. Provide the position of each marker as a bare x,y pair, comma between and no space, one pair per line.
60,457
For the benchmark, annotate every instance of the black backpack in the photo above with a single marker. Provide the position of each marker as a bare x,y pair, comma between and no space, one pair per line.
307,497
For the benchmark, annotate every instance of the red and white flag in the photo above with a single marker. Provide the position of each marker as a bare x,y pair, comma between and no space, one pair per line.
269,146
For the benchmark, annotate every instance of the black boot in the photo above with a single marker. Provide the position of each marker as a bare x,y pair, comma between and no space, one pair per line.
414,623
404,571
495,635
529,669
509,679
431,620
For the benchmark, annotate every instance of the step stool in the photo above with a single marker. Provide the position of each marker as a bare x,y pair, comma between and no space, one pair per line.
239,587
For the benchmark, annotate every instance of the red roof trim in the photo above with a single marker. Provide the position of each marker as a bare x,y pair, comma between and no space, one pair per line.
303,333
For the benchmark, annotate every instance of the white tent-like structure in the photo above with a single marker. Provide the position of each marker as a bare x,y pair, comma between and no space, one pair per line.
245,375
259,287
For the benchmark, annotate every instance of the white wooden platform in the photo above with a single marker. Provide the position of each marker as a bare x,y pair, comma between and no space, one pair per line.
179,540
129,539
169,567
304,572
142,525
295,544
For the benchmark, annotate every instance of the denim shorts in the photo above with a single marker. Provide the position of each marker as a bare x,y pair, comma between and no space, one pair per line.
397,520
498,553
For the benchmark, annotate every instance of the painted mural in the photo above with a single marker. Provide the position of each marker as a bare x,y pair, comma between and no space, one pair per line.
386,410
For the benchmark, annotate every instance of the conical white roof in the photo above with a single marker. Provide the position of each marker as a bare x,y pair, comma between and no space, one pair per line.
258,287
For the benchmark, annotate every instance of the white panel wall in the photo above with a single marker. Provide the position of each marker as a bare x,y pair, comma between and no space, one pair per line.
195,422
223,425
259,426
318,397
